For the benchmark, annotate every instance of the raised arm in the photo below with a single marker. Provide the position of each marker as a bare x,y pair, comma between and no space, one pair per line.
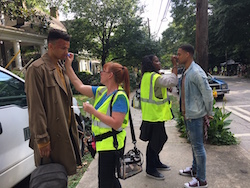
83,89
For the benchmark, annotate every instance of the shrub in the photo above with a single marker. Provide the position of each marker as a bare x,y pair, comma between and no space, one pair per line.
218,132
181,125
88,79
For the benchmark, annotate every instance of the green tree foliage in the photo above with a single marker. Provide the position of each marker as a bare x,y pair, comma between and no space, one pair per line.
111,30
104,17
81,35
131,42
16,11
229,30
44,5
182,29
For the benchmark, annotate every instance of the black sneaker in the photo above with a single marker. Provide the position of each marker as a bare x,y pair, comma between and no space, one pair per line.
164,167
156,175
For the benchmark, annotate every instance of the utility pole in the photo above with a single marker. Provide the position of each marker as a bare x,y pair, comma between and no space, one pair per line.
202,33
148,29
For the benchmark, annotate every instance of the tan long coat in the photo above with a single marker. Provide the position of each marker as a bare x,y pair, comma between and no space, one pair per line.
48,106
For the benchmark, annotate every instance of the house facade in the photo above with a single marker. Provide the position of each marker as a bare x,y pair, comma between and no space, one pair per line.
13,39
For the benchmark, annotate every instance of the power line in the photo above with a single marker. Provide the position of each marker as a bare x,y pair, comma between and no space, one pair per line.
164,15
158,14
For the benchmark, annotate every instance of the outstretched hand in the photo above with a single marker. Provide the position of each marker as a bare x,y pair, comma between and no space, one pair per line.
174,60
69,59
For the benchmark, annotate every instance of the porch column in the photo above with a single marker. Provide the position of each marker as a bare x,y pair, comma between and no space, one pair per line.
18,59
42,48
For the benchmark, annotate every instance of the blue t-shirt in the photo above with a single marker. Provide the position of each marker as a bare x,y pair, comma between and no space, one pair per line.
120,104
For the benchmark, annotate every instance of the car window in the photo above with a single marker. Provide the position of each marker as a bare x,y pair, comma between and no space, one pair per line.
11,91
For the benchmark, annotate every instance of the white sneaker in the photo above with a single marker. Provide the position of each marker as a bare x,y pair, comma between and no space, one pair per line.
196,183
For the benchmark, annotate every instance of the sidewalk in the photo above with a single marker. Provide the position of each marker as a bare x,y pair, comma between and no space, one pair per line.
227,166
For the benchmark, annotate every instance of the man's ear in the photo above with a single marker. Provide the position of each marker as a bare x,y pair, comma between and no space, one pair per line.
50,45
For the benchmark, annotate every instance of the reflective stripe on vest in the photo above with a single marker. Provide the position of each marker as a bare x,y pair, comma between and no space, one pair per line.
99,127
154,109
150,100
103,125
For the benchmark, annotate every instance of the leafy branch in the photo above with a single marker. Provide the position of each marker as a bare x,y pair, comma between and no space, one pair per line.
15,11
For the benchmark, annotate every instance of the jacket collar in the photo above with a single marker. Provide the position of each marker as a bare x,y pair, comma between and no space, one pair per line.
189,68
52,67
47,61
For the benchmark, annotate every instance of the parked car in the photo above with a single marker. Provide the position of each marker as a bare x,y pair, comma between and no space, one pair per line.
220,86
17,158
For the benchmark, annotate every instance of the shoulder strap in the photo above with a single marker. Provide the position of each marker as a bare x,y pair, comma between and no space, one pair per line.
115,142
132,128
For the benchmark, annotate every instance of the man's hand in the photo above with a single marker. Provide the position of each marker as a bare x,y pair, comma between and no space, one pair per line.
210,117
45,151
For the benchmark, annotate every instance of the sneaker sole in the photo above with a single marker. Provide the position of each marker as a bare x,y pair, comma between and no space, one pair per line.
186,174
157,178
203,186
164,169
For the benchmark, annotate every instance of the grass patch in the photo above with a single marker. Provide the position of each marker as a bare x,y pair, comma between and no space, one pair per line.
75,179
86,159
80,99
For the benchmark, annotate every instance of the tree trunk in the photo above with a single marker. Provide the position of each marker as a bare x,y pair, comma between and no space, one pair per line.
202,33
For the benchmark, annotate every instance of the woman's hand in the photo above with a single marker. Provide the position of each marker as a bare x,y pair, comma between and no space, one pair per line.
174,59
88,107
69,59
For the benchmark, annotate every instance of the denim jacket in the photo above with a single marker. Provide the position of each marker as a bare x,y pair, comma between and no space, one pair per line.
198,93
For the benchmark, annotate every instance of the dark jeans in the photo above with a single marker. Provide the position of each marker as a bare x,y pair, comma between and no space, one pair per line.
152,160
106,169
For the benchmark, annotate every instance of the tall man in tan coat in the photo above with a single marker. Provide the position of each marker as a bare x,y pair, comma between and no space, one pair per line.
52,122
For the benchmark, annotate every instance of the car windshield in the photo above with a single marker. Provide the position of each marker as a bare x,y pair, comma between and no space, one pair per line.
209,77
11,91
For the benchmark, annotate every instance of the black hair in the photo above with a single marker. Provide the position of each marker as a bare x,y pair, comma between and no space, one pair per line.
55,34
188,48
147,64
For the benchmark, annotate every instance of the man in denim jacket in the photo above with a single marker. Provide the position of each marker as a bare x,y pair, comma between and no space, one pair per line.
196,102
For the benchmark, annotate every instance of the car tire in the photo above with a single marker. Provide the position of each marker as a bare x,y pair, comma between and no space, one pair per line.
220,96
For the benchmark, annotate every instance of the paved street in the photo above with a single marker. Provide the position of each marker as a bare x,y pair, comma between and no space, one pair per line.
238,102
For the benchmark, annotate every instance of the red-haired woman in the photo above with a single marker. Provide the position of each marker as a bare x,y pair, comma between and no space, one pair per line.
113,76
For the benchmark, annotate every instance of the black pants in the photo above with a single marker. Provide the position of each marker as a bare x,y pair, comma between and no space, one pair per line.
106,169
152,160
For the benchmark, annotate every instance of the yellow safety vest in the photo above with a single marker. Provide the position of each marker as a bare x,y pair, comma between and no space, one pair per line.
99,127
153,108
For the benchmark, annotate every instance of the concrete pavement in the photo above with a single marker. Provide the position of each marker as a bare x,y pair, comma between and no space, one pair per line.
227,166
